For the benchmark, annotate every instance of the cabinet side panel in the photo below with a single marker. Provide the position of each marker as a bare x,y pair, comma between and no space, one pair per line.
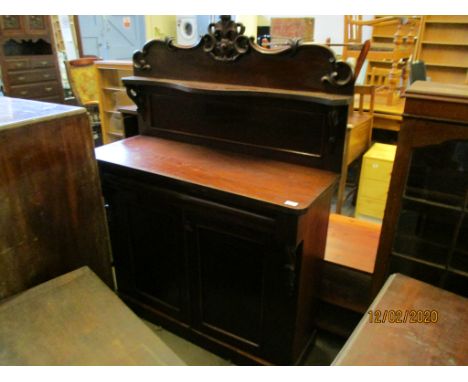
309,272
51,210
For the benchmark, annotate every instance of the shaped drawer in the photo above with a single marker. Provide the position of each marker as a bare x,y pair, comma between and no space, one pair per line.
17,64
42,62
376,169
370,207
375,189
32,76
35,91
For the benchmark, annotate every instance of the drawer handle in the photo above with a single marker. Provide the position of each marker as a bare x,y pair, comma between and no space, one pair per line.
24,92
44,62
49,89
375,165
21,78
19,64
46,75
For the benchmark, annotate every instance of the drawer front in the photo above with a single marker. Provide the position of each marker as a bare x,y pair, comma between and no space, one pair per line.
35,91
53,99
32,76
370,207
374,189
42,62
376,169
17,64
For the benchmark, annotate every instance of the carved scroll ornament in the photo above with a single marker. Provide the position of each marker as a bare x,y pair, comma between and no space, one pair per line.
135,94
225,40
340,73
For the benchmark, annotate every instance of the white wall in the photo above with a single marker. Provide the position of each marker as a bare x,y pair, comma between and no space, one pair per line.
325,26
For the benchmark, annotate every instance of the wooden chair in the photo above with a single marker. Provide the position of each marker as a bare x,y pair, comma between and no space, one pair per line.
358,136
378,77
82,76
399,53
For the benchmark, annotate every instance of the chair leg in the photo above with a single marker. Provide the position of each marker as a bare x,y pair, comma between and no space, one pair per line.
341,188
344,174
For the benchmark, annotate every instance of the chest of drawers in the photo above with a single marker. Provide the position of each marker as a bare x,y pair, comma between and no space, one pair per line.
28,59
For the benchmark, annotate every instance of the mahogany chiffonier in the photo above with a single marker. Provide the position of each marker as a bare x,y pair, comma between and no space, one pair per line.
218,210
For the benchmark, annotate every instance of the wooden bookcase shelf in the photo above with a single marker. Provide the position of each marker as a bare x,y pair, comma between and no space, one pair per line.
453,66
112,95
443,48
454,44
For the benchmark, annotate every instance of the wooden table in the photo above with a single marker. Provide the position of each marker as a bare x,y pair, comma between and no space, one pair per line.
75,319
436,343
386,117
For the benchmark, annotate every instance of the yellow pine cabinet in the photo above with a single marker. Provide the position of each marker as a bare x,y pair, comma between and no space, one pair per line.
374,181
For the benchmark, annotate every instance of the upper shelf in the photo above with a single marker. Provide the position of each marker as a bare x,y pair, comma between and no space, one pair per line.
240,90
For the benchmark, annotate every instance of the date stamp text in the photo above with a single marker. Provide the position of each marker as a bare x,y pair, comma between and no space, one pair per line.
403,316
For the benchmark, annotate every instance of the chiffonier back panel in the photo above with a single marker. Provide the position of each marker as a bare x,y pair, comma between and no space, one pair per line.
288,104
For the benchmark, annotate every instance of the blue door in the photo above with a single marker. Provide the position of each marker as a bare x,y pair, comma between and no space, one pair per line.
112,37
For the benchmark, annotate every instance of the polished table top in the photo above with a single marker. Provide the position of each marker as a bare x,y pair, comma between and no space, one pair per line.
287,186
410,337
75,319
17,112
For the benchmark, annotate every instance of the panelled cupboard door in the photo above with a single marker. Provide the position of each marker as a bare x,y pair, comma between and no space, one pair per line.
219,270
17,25
148,250
36,24
233,252
12,25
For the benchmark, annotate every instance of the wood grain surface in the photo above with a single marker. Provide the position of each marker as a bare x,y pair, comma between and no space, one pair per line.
440,343
76,320
51,210
256,178
352,243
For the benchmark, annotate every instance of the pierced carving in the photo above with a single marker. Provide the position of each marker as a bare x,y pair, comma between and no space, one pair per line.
139,61
340,73
137,97
225,40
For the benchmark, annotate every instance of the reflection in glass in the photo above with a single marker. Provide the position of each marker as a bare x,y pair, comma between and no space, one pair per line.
440,173
431,238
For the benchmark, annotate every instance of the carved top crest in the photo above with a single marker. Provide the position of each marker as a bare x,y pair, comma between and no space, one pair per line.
297,66
225,40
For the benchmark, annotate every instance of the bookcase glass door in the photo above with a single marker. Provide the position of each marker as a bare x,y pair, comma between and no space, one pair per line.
431,237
